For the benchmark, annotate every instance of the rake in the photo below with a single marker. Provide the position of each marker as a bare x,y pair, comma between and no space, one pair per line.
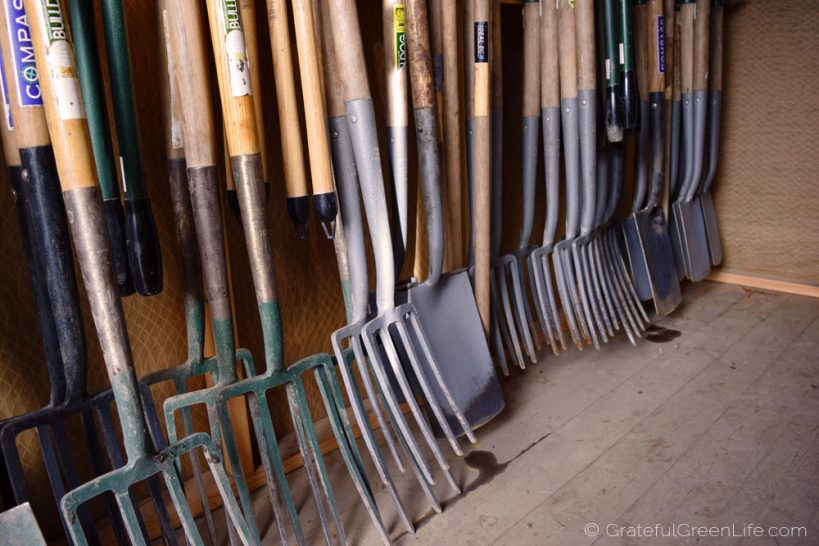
66,122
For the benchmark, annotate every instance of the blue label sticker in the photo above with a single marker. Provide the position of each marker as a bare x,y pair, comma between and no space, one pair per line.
5,93
22,54
661,43
481,42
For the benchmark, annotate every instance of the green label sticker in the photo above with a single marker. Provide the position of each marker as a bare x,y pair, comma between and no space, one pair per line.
55,22
399,24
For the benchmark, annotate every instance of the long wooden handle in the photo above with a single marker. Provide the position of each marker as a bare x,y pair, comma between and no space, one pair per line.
351,64
393,14
687,46
235,87
676,56
702,28
717,16
174,147
469,56
190,63
656,49
641,51
295,174
315,115
248,11
333,83
453,132
531,56
549,69
420,57
568,50
482,169
584,36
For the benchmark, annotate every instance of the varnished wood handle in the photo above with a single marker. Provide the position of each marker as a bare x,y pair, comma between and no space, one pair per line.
351,62
549,69
295,174
235,85
171,116
584,35
315,116
482,169
641,51
567,48
717,16
469,60
190,63
453,133
676,53
656,50
333,84
702,28
531,56
62,97
248,11
687,47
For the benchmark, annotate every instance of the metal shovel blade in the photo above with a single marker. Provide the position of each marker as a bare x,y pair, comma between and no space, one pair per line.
453,328
694,240
658,259
709,214
18,527
636,258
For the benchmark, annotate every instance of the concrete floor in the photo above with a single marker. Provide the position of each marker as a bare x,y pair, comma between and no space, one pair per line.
712,420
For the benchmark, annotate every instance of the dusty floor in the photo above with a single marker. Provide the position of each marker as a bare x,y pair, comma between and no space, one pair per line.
712,420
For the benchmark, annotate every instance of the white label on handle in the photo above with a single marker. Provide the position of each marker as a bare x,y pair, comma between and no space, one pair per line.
63,73
622,54
238,68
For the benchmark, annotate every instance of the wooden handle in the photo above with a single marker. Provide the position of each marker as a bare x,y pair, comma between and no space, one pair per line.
7,95
189,59
687,47
248,10
677,58
655,58
333,84
496,54
586,59
567,49
549,69
347,37
295,175
31,127
482,169
315,117
393,14
235,86
717,16
531,58
669,33
453,133
62,97
422,77
171,115
469,57
640,51
702,28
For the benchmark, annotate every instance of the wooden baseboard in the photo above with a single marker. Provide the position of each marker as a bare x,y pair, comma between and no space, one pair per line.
765,284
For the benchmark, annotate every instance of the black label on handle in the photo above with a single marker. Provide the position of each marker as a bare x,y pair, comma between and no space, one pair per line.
481,42
661,43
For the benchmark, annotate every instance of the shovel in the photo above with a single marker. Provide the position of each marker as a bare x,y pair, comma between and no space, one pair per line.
144,256
540,271
690,232
87,50
646,233
565,274
395,58
237,109
66,121
445,305
709,213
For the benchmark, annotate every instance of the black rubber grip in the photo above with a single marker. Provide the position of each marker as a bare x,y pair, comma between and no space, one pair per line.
630,101
115,219
298,210
144,255
326,206
51,244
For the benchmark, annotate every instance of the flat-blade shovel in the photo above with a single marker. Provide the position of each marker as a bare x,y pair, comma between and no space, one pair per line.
66,122
445,304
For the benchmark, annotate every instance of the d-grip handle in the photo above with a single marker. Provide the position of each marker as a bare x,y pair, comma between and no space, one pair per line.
69,133
422,80
88,67
142,241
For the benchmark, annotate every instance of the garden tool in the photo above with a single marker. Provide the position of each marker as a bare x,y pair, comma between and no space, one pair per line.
395,58
18,527
469,126
453,135
391,324
248,10
540,271
295,172
144,255
510,310
58,309
237,109
690,232
709,213
629,97
66,122
87,50
196,364
352,263
613,104
677,167
646,232
318,146
565,274
445,304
